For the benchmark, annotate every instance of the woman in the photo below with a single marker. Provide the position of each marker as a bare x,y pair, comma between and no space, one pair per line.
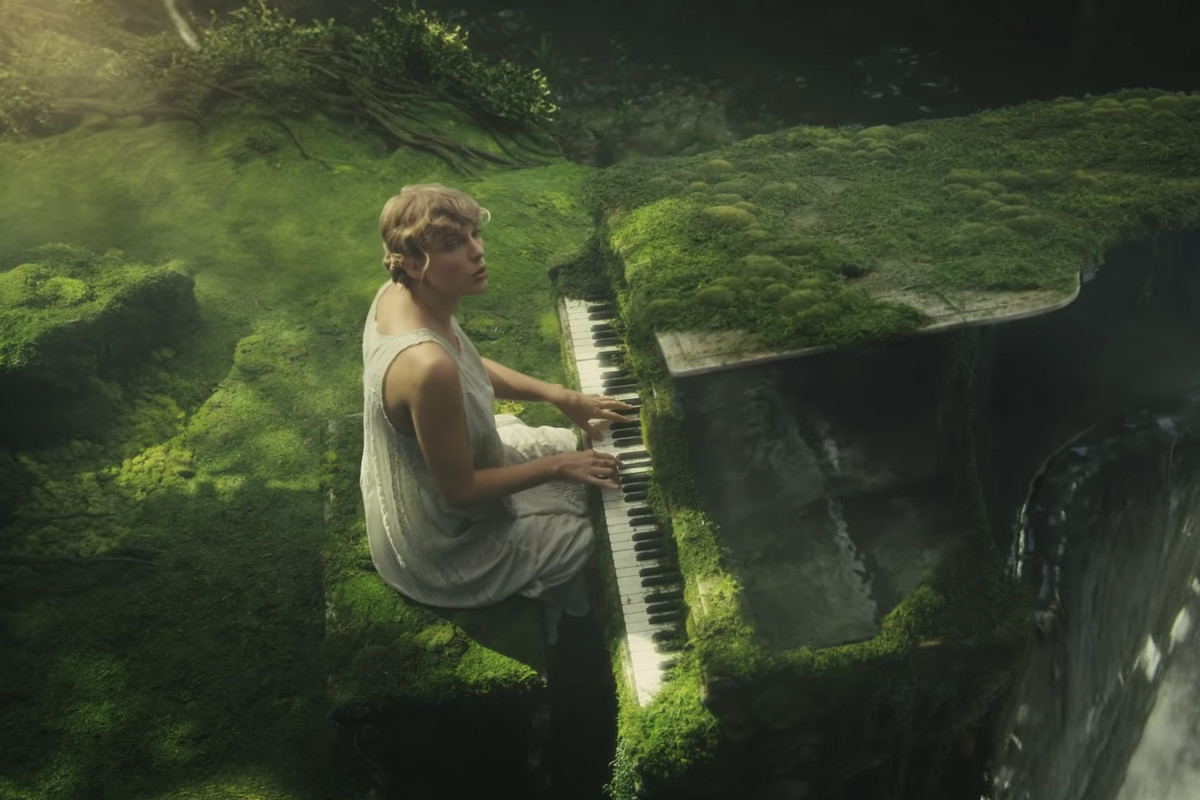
464,509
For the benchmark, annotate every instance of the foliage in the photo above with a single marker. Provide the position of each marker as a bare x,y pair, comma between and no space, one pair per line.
388,78
430,52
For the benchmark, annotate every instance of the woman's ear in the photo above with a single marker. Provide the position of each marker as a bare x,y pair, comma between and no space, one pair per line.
412,267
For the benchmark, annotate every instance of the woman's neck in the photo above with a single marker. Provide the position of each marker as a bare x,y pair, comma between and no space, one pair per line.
435,310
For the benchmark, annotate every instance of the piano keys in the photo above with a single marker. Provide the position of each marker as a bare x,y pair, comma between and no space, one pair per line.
647,575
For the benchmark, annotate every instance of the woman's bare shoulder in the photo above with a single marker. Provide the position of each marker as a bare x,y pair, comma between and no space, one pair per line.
421,367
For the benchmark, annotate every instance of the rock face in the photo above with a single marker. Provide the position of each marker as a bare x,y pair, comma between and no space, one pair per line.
71,319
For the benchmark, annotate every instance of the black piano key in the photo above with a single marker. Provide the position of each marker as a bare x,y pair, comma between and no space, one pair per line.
664,597
633,455
665,665
665,636
656,545
646,536
659,571
660,580
668,645
664,608
672,616
635,497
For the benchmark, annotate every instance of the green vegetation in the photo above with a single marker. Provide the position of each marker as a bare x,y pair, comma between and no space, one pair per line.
185,588
66,63
164,581
1018,199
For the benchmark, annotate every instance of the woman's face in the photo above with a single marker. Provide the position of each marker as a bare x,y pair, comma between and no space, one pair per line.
456,264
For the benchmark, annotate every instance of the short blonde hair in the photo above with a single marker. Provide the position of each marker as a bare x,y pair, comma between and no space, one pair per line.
414,219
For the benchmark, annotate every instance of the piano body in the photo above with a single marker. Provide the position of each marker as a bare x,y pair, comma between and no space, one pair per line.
780,560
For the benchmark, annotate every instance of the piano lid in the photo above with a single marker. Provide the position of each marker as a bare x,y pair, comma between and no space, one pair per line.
689,353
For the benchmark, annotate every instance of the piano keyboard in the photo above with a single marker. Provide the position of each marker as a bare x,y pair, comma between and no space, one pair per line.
648,578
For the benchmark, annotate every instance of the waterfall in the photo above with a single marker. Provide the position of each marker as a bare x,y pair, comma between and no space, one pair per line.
1104,706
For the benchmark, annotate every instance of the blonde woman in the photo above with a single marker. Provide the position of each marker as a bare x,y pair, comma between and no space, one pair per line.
463,508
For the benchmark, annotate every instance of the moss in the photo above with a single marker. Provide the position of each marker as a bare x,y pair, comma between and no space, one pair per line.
799,300
1031,223
967,177
764,266
878,132
739,186
729,216
717,166
914,141
715,296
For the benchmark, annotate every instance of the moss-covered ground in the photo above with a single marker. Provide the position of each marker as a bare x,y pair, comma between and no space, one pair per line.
196,668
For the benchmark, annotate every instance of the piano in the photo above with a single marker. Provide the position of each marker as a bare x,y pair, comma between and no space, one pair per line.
648,579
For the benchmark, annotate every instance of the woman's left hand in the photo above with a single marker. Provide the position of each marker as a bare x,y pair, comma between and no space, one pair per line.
582,409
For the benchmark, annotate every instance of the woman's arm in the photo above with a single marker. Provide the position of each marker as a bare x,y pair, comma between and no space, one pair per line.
428,387
512,385
577,407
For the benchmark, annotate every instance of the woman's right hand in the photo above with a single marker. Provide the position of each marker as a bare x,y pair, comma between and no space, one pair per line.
589,466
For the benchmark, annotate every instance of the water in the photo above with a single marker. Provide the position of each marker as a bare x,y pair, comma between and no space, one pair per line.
1104,708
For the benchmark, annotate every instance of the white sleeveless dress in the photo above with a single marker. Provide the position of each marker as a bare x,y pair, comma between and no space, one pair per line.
534,543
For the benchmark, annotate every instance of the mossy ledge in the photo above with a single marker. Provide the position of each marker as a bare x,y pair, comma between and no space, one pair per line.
846,236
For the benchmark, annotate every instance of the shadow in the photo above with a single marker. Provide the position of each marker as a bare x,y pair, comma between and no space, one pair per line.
138,677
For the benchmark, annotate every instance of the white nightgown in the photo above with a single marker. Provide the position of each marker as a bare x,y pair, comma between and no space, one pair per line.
533,543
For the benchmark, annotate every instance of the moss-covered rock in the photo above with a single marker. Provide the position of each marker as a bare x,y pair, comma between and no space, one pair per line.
71,318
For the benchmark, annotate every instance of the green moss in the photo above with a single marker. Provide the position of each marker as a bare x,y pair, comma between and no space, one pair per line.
717,166
878,132
799,300
1031,223
913,141
967,177
729,216
739,186
715,296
